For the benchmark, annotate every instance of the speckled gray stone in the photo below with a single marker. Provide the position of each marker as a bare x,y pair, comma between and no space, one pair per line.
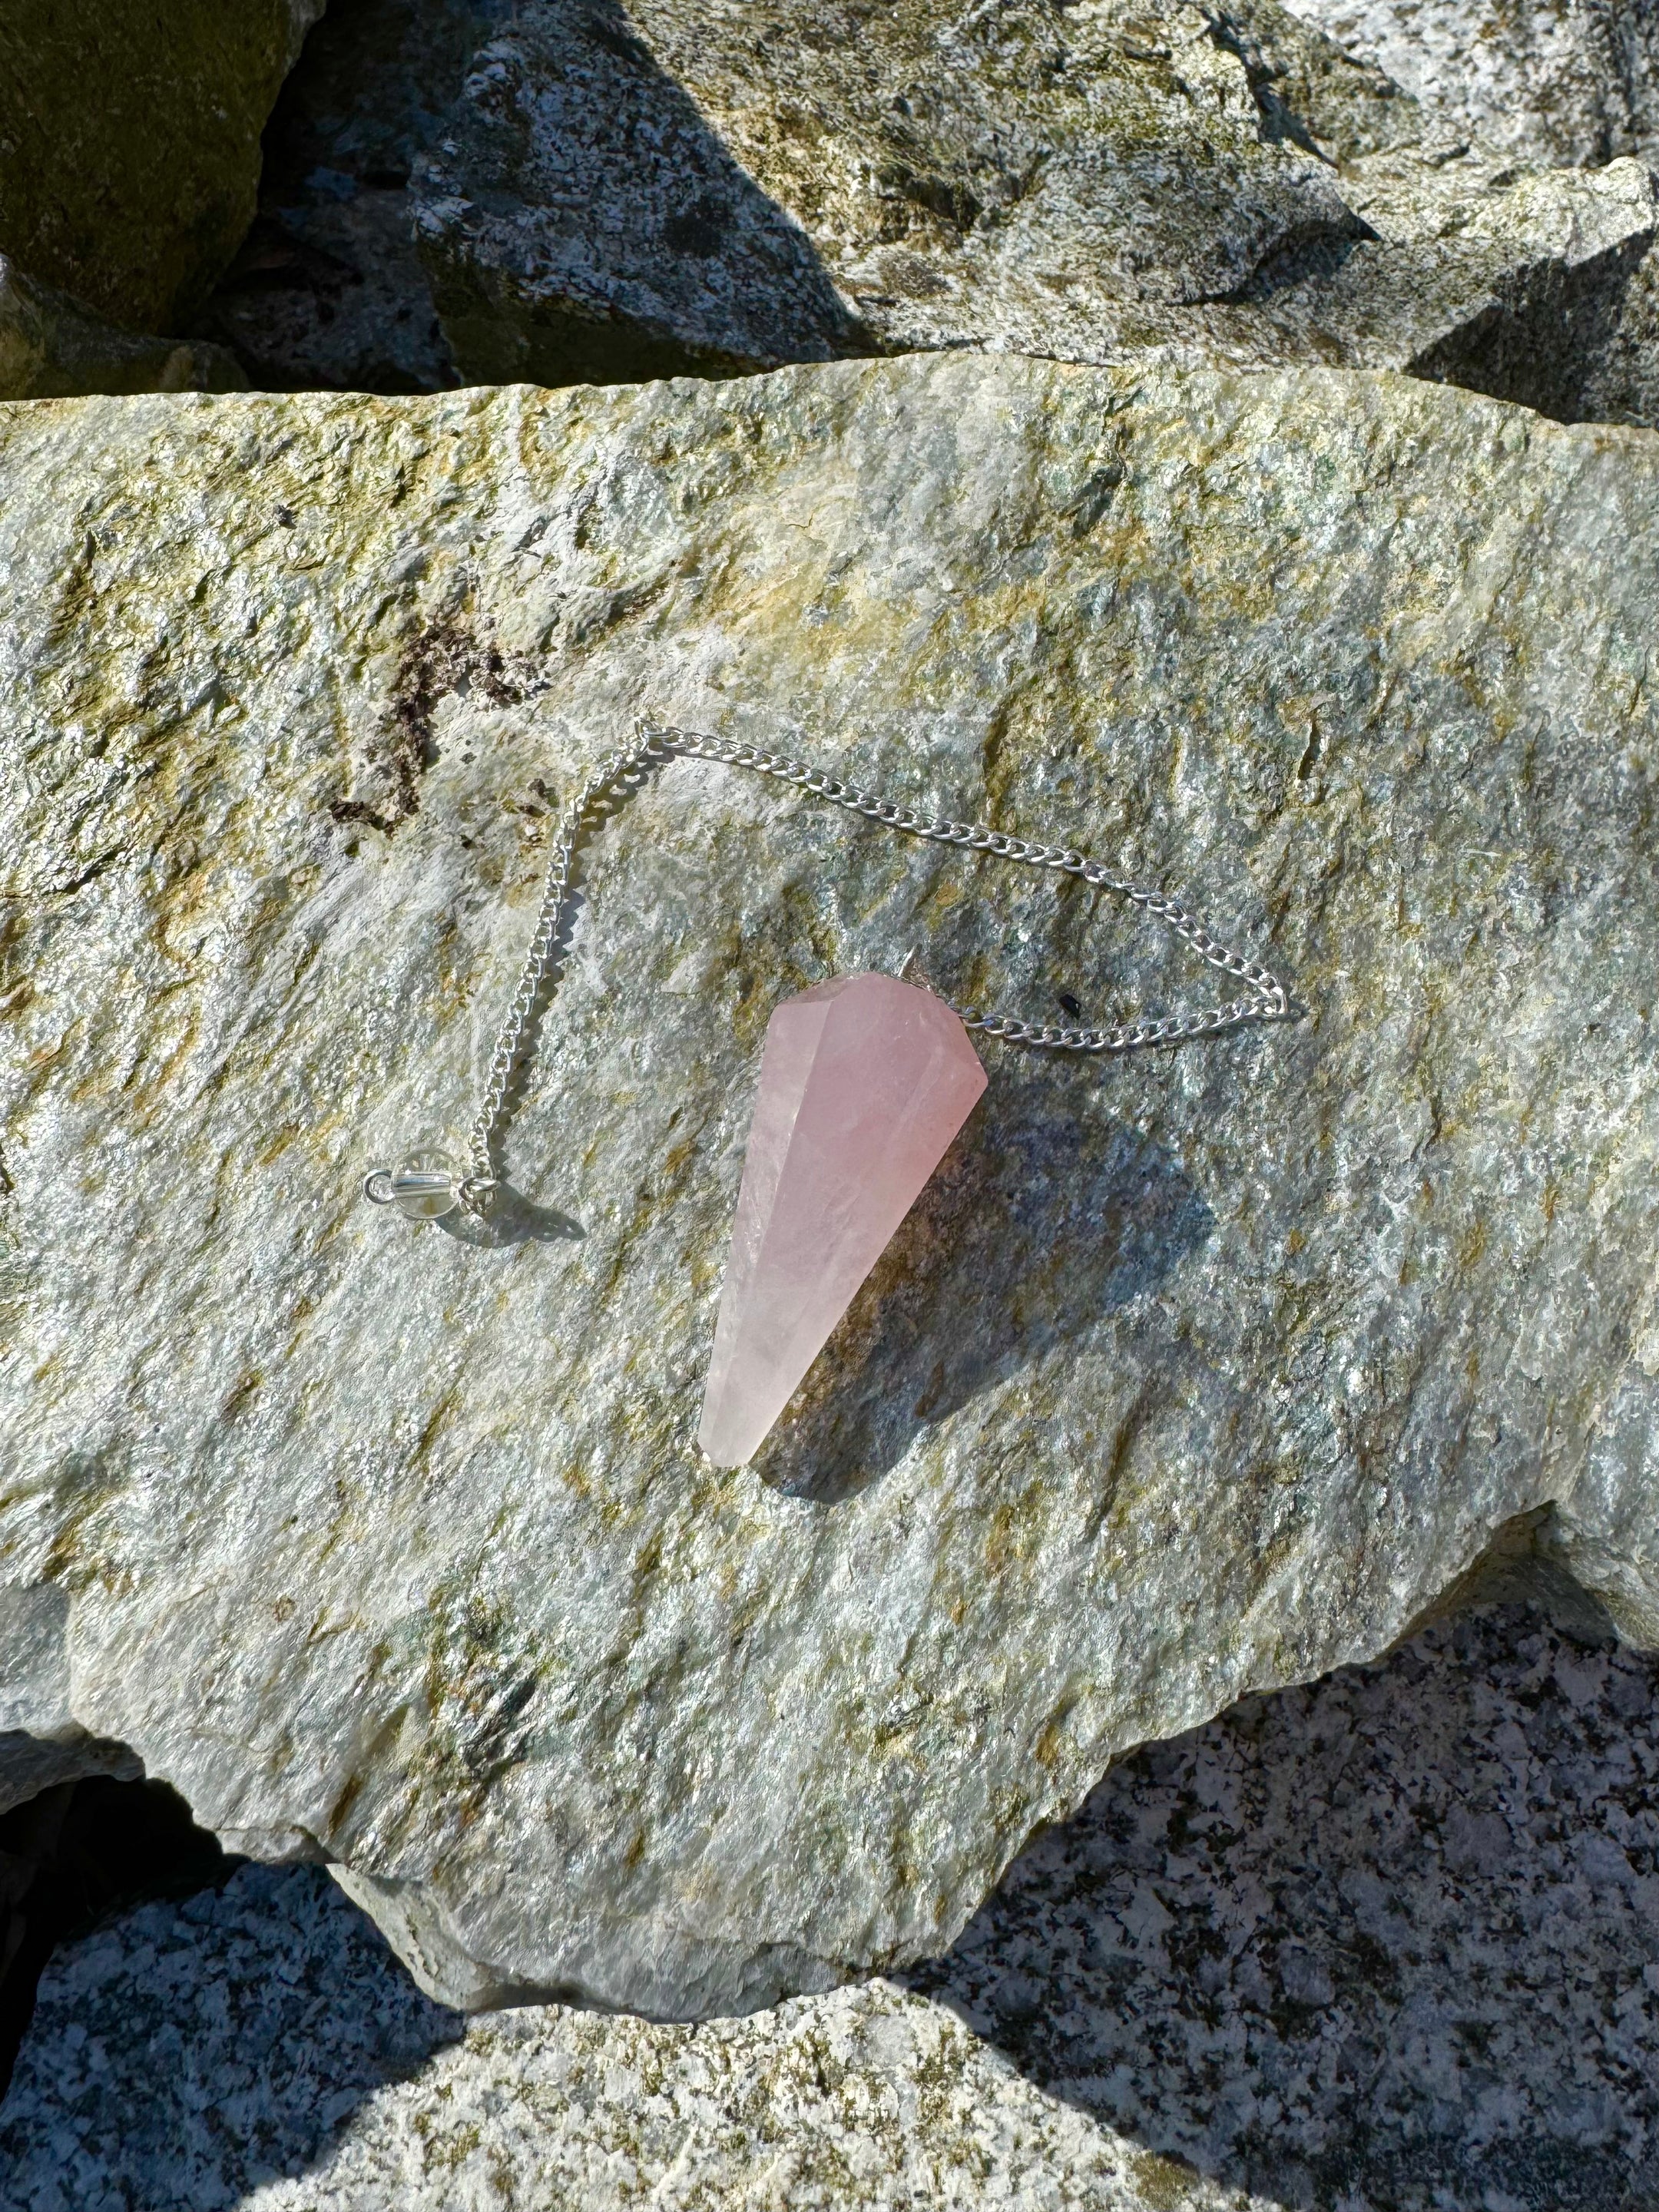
1390,1942
1190,1376
623,193
1547,81
629,192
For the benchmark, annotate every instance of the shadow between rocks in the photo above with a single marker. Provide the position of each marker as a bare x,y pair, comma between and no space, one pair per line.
1540,342
618,239
76,1852
1387,1943
187,2054
327,290
1045,1216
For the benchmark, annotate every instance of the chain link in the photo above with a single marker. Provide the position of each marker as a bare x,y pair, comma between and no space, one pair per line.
1266,1000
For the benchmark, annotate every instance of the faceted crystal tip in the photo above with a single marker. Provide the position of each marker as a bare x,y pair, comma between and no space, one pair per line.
864,1082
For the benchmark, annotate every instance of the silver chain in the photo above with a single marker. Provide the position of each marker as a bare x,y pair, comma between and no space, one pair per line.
1266,1000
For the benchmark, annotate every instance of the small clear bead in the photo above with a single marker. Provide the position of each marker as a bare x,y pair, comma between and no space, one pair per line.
427,1183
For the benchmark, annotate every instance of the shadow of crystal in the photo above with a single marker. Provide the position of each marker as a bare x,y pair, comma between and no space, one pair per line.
1044,1217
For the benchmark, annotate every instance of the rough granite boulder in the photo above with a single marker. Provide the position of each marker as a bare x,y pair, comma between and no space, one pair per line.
1191,1375
1390,1941
1307,89
630,192
1538,287
130,144
52,349
627,194
1568,81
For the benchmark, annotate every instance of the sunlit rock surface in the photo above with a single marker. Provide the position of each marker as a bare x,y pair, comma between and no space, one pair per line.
1390,1941
130,144
624,193
1189,1376
1567,80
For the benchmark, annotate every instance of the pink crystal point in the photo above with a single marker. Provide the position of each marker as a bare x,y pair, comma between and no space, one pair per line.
864,1081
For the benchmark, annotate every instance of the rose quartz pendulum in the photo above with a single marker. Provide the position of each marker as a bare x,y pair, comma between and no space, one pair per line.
864,1081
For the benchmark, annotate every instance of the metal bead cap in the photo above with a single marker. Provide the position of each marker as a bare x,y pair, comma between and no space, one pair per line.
425,1184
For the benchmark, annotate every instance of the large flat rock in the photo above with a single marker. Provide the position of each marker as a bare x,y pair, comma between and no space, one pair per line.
1191,1375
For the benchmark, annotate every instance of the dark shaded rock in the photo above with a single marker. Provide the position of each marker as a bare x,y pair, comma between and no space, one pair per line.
135,2107
52,348
130,144
329,294
329,290
76,1852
